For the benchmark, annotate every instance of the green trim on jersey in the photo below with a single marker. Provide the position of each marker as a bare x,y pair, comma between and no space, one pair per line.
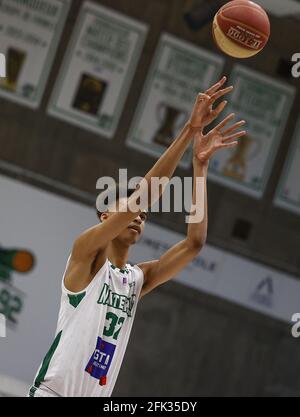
123,271
46,362
75,300
32,391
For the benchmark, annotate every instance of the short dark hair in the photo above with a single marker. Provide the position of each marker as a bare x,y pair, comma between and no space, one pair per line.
114,193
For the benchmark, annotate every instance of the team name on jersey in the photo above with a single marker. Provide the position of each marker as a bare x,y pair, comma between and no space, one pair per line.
118,301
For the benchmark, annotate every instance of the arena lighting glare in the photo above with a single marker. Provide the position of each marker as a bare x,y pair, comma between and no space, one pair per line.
17,260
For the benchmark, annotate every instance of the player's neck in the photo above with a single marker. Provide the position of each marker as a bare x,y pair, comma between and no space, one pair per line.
117,253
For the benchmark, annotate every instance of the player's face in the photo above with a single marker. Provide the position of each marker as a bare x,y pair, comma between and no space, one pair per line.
133,231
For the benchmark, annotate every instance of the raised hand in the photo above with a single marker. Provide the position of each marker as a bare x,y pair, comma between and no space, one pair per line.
203,113
218,138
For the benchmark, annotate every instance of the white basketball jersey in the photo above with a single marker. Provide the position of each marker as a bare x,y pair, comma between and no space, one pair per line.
92,335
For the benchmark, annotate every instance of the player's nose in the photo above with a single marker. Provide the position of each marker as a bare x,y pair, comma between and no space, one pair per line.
138,220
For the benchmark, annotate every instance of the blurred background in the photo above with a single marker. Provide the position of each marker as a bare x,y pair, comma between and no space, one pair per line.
92,87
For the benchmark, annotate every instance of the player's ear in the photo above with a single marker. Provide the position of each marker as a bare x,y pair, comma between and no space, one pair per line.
103,216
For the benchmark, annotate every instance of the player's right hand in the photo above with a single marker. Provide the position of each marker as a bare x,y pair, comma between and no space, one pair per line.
203,113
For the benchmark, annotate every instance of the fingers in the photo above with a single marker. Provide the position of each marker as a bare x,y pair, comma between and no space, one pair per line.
235,136
219,109
225,121
233,127
216,86
220,93
202,96
229,145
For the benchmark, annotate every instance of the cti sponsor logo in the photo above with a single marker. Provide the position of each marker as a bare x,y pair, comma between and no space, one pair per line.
296,66
2,66
102,358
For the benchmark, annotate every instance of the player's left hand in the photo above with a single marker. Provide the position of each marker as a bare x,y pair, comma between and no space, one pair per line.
203,113
218,138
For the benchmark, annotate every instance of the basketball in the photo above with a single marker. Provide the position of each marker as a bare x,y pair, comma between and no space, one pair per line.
241,28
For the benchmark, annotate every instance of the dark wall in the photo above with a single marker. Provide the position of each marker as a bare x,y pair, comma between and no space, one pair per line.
184,342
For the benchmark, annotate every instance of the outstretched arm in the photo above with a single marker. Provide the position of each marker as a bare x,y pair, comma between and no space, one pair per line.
176,258
97,238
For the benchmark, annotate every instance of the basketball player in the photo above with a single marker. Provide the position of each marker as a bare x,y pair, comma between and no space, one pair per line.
100,290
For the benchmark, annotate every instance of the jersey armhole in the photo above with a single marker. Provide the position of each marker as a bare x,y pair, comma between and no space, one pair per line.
142,274
68,292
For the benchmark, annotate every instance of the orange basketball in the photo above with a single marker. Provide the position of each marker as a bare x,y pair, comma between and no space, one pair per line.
241,28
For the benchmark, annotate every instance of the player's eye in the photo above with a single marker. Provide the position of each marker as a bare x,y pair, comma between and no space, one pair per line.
143,216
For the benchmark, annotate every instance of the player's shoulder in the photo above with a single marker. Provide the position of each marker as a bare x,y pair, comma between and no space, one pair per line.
137,268
146,268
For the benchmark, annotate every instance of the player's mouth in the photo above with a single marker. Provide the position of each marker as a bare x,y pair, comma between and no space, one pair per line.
135,228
